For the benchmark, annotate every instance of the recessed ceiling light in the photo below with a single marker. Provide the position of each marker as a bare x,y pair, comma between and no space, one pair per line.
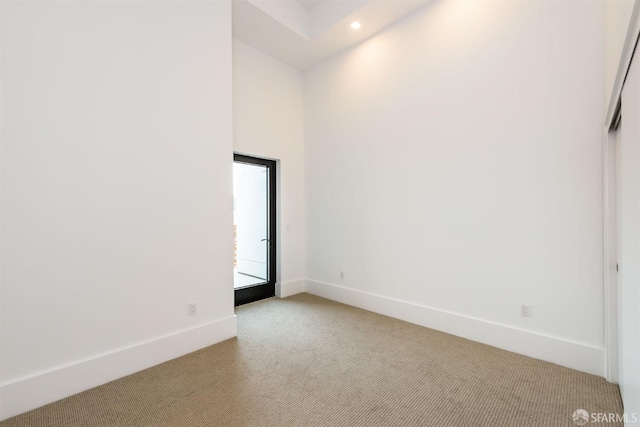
355,25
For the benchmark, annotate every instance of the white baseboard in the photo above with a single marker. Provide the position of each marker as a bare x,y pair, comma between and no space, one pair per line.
562,352
31,392
290,288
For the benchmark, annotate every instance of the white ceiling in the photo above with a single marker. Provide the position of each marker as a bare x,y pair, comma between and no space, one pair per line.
309,4
303,33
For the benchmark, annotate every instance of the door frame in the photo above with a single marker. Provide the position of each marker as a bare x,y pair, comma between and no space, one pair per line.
610,257
265,290
610,235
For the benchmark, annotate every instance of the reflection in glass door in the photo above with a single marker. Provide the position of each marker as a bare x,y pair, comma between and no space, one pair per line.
254,228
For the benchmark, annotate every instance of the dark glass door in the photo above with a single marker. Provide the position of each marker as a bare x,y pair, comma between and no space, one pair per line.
254,222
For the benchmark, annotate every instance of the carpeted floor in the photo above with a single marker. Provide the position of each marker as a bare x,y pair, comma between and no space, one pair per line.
307,361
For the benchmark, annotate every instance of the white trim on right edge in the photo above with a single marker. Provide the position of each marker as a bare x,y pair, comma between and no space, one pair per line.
573,355
609,172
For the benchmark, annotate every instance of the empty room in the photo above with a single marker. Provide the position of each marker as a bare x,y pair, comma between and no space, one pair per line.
319,213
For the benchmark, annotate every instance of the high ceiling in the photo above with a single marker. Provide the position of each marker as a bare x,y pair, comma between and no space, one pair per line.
303,33
310,4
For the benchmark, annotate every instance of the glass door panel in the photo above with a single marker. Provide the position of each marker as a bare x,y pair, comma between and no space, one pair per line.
254,228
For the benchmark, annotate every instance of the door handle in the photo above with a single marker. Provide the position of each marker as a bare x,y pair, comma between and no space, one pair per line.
268,240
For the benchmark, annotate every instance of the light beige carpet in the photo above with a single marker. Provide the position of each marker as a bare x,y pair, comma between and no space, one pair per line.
307,361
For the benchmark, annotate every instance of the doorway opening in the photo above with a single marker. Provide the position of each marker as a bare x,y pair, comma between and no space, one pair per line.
254,224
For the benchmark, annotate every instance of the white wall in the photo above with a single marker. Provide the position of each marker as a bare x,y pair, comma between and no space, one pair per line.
116,190
454,172
268,122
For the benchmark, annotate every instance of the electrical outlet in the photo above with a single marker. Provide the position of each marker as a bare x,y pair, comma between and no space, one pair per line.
192,309
525,310
342,274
